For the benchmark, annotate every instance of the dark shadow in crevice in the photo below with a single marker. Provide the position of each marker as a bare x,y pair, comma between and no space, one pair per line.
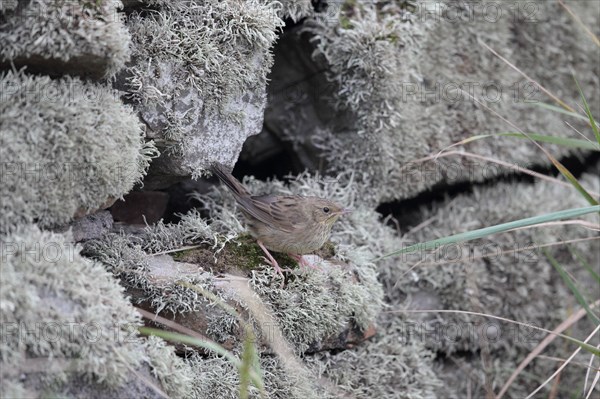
406,213
277,166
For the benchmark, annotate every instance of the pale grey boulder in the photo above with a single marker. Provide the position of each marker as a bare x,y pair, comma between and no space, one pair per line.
198,80
68,328
64,37
389,84
80,151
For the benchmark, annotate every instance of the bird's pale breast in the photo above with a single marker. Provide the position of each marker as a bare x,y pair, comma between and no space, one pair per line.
303,240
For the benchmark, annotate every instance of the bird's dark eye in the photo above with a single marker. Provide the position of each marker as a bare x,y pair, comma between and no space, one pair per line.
326,210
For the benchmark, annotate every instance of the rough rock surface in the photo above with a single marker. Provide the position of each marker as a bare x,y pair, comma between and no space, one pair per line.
80,151
64,37
91,226
70,329
199,81
359,90
399,82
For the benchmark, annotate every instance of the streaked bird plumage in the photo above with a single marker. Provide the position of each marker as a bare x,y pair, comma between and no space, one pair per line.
291,224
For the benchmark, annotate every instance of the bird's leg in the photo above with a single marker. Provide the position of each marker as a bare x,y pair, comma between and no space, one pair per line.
271,260
303,262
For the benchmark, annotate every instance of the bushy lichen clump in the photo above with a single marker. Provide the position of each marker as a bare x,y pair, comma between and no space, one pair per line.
80,149
388,366
131,259
83,37
521,286
61,306
201,75
505,275
317,305
312,306
369,50
364,62
330,298
403,92
213,39
175,374
296,9
215,378
333,299
64,310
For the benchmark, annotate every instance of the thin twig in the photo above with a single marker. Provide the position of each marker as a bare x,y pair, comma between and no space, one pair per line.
170,251
507,252
580,22
575,352
516,168
542,88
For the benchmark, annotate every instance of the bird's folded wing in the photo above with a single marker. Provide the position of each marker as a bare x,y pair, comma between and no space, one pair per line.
281,213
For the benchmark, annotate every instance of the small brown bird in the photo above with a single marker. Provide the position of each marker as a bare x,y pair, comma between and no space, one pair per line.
291,224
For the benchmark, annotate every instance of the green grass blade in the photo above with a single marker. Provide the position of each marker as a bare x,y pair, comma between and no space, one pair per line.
211,346
247,363
584,263
486,231
562,141
186,339
566,173
560,110
588,112
571,285
586,347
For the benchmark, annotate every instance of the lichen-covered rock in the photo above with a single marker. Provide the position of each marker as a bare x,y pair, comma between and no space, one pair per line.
296,9
89,227
343,300
67,327
389,366
505,275
316,310
391,83
79,151
82,38
519,285
198,80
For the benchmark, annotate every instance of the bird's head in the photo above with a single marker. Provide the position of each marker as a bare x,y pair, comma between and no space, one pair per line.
326,212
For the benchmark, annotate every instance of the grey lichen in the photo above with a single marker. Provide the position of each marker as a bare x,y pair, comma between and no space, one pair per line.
215,378
296,9
314,305
200,76
364,62
80,150
8,5
389,366
125,257
505,275
368,49
135,259
402,93
330,300
317,305
78,37
174,373
13,389
59,305
68,328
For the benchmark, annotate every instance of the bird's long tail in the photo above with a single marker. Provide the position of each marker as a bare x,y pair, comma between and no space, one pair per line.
231,182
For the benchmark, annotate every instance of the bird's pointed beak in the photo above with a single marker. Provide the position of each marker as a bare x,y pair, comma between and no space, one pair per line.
346,211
